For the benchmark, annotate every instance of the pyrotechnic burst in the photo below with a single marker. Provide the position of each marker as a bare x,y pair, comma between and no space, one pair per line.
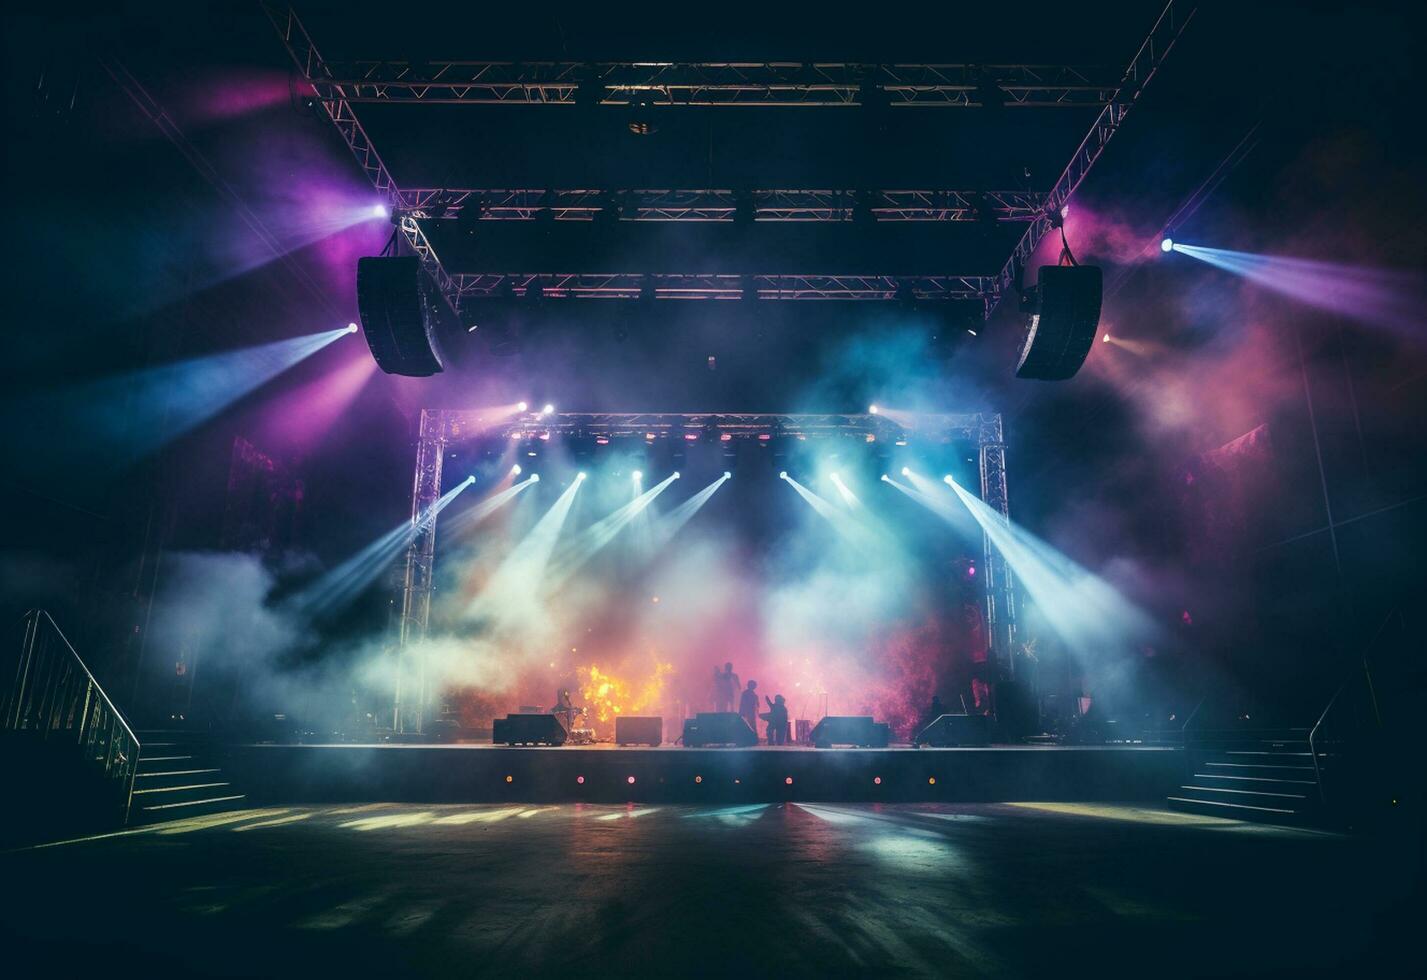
607,695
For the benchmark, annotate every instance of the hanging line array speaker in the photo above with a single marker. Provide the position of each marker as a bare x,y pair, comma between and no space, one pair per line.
1065,313
394,301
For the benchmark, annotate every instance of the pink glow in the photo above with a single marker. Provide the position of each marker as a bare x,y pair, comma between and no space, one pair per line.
301,416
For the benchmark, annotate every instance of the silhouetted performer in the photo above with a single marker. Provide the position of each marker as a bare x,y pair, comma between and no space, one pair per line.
748,705
777,718
725,688
935,711
565,709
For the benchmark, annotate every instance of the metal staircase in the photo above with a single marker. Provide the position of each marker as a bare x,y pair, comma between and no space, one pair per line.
180,775
1269,775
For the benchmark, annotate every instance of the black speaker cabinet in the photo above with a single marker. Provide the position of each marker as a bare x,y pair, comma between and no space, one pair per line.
718,728
849,730
396,308
638,731
542,729
951,730
1063,322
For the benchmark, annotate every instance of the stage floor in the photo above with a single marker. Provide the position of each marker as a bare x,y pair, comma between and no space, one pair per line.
792,890
472,773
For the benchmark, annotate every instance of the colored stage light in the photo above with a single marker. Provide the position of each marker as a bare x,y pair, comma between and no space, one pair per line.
871,409
877,780
698,779
931,780
1167,245
351,328
1105,339
637,475
725,437
691,436
783,475
521,406
515,470
380,211
788,780
510,779
580,780
631,780
548,409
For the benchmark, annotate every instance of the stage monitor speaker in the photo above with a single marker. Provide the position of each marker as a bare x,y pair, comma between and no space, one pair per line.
638,731
718,728
540,729
849,730
1064,317
395,305
949,730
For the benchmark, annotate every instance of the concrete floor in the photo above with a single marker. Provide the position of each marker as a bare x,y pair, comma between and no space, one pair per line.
790,890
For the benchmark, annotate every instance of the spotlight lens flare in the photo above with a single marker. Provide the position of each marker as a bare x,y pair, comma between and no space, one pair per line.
948,480
727,475
515,470
548,409
1167,245
783,475
676,474
906,471
637,475
871,409
521,406
534,477
380,211
351,328
580,475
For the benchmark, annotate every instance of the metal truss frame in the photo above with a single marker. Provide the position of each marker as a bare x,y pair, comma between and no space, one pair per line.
633,285
1173,20
339,87
723,205
413,699
766,83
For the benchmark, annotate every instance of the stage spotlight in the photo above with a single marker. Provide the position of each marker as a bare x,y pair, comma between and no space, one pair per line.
351,328
906,471
871,409
380,211
1167,245
580,475
521,406
947,480
470,480
886,478
1105,339
548,409
534,477
783,475
515,470
637,475
727,475
676,474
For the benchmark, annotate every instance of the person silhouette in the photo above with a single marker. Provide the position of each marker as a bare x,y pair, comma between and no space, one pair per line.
748,705
777,718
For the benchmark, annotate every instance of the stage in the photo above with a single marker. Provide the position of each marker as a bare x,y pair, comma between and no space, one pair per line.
459,773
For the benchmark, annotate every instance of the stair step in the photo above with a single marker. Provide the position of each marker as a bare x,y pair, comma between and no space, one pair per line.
1243,792
1257,765
1257,779
1231,806
1277,755
163,758
194,803
179,789
175,772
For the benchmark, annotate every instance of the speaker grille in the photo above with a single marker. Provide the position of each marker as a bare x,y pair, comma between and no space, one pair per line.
395,308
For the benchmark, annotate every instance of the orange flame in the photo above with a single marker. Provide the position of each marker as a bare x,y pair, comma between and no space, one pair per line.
607,696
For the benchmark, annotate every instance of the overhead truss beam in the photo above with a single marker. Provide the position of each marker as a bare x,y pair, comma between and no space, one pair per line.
1167,29
723,205
571,83
630,285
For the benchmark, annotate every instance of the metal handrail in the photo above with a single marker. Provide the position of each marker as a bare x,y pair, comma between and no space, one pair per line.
54,691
